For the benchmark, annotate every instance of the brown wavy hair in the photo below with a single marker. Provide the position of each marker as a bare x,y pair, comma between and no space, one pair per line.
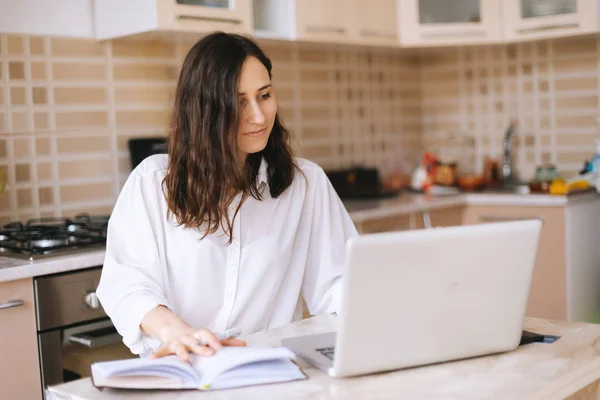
205,171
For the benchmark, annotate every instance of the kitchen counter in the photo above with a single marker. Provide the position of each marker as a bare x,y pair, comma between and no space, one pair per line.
359,210
409,203
568,367
12,269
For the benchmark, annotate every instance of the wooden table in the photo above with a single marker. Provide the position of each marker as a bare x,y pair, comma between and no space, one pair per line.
568,368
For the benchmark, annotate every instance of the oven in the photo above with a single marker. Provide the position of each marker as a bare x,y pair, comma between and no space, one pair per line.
72,328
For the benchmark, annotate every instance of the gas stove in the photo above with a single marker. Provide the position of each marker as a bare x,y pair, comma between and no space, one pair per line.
48,237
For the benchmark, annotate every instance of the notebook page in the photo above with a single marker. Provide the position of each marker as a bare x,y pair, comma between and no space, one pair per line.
208,368
259,373
170,366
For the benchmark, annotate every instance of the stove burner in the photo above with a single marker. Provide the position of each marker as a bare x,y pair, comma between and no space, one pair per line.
52,236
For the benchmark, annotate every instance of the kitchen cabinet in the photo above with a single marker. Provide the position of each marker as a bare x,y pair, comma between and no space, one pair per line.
451,216
333,21
115,18
548,296
322,20
386,224
374,25
535,19
20,370
69,18
310,20
451,22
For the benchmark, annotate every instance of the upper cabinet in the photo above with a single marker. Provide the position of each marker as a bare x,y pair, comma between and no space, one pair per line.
374,25
322,20
67,18
115,18
536,19
449,22
334,21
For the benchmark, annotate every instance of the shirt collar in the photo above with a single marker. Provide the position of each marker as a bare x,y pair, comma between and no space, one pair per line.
262,178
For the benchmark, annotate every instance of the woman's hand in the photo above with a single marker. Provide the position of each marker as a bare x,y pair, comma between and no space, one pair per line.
179,338
184,340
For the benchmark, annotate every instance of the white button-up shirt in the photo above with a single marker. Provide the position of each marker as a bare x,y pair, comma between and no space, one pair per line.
282,249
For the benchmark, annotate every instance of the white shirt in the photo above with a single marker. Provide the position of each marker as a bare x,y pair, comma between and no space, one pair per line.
282,248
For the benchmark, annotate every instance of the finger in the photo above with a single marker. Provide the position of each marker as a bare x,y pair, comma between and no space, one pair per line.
209,338
196,347
233,342
161,352
179,349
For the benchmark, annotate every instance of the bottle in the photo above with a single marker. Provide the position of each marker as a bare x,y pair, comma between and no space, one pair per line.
595,167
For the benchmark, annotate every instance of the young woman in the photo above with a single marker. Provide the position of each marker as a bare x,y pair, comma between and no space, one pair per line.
228,230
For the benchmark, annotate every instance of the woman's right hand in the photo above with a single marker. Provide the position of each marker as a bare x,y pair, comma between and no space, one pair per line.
184,340
179,338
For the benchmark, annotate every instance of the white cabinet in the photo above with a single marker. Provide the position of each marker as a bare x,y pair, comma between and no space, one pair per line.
538,19
73,18
449,22
333,21
19,364
115,18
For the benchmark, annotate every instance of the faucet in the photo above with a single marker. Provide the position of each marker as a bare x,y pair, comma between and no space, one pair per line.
507,173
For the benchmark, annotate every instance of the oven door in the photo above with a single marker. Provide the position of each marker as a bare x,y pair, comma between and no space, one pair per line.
67,354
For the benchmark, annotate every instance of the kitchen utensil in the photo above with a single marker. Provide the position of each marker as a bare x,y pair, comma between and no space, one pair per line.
140,148
491,174
471,183
445,174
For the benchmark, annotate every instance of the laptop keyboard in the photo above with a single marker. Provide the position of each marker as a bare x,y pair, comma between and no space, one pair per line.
327,352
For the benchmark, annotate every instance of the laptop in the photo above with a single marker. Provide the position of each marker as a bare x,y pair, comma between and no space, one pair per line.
427,296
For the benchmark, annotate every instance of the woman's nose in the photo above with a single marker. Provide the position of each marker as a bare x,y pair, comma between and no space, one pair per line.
256,114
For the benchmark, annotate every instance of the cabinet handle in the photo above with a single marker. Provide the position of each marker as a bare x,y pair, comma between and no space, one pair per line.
453,34
11,304
198,18
325,29
548,27
497,218
426,219
385,35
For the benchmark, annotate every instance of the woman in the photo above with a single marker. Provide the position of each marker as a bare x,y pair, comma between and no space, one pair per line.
228,230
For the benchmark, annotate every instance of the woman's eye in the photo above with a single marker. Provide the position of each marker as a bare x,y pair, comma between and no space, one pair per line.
243,102
265,96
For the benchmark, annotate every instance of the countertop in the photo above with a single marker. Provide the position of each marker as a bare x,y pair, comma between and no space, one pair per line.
359,210
534,371
408,203
12,269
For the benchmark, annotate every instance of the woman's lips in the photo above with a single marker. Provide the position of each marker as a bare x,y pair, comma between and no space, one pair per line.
256,133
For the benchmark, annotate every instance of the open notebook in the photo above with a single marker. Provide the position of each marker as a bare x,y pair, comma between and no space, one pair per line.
230,367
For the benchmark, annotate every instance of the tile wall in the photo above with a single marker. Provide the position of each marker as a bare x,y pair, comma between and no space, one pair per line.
68,108
551,88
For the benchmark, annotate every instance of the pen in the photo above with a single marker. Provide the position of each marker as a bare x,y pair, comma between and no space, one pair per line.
228,334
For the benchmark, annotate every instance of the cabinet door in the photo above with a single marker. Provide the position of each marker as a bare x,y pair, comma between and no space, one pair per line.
20,377
322,20
535,19
449,22
374,23
452,216
387,224
548,295
205,15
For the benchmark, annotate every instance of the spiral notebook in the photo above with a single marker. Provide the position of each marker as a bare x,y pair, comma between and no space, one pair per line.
229,367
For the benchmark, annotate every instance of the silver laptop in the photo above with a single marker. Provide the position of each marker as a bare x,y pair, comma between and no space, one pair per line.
428,296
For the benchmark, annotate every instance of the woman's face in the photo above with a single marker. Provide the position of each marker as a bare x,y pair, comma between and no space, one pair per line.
258,107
